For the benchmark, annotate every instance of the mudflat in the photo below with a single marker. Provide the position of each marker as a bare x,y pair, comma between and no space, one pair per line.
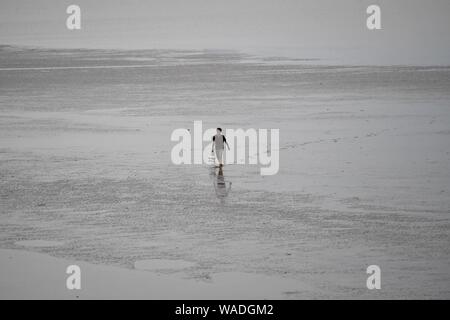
86,174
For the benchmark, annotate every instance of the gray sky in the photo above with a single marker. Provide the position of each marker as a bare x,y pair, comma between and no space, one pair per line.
414,31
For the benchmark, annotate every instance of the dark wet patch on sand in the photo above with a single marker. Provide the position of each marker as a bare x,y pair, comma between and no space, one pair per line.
39,243
162,264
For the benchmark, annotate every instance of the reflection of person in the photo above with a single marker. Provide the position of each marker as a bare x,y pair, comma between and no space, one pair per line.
220,185
219,142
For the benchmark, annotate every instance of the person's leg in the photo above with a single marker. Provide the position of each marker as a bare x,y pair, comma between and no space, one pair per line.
219,155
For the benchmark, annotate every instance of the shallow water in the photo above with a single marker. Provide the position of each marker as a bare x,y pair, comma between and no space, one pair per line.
364,167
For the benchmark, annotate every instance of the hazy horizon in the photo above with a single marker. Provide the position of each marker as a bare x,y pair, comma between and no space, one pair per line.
332,31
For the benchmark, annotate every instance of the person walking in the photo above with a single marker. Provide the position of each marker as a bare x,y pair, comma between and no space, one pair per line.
219,142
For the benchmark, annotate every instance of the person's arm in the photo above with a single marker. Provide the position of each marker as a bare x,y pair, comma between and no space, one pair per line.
213,139
225,140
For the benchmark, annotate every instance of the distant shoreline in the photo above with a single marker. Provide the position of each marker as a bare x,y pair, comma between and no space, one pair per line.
248,54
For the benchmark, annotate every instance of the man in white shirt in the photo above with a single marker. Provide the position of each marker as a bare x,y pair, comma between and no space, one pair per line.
219,142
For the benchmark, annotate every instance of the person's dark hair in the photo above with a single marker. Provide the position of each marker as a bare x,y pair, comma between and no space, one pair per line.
220,129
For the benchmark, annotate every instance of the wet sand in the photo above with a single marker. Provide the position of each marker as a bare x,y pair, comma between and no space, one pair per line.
27,275
86,174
